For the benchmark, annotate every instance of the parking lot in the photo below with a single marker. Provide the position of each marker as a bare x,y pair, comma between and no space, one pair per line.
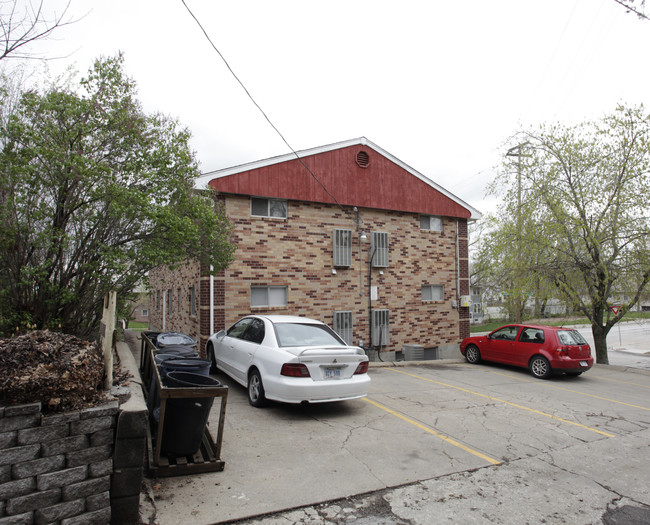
486,442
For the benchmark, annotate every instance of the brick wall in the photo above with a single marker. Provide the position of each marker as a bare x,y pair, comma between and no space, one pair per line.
57,468
180,283
297,253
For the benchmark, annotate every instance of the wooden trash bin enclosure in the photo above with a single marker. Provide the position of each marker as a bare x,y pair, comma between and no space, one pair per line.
208,457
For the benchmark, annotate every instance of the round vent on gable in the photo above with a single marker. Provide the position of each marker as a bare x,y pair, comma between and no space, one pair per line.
363,159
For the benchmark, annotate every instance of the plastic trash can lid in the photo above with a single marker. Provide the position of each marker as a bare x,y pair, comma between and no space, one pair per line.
174,338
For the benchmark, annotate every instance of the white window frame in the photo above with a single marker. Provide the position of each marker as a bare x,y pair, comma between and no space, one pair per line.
431,223
144,312
271,208
429,295
379,249
269,296
380,325
342,247
343,325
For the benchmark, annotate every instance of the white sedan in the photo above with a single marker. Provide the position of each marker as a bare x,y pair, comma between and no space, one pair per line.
289,359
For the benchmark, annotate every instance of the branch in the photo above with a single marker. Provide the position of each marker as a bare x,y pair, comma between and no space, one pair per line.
630,8
31,27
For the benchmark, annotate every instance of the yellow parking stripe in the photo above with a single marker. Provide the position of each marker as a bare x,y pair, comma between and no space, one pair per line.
504,401
549,385
431,431
618,380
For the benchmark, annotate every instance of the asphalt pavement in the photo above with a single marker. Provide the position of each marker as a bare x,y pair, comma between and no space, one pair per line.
459,444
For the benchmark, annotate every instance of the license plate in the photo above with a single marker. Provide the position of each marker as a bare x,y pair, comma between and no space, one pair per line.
583,363
332,372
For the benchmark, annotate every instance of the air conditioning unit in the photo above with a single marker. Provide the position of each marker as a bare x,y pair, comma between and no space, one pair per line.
465,301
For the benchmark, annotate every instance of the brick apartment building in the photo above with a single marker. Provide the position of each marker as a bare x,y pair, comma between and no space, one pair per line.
306,231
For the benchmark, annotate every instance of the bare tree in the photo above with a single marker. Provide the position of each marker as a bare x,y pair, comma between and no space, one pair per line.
23,25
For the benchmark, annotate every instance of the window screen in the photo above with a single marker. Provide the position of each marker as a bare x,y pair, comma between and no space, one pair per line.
432,292
379,249
269,296
342,247
268,207
343,325
380,328
431,222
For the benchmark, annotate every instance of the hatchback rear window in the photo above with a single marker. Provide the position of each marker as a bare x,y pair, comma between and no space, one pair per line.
570,337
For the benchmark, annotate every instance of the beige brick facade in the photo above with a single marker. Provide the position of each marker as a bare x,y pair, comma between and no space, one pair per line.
297,252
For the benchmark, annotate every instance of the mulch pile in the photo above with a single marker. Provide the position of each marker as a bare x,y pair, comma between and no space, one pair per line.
61,371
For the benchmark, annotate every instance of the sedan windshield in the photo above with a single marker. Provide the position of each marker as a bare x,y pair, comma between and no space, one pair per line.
570,337
295,334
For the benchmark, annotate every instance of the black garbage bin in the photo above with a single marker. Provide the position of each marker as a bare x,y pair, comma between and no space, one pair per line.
185,418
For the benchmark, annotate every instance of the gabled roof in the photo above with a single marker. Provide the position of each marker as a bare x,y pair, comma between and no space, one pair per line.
387,183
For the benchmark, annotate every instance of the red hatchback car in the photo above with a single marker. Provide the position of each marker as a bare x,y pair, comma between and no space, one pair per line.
544,350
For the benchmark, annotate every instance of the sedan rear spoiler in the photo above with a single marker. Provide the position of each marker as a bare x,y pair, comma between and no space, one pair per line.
331,350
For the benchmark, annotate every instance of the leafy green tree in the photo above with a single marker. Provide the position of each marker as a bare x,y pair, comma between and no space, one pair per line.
93,194
581,196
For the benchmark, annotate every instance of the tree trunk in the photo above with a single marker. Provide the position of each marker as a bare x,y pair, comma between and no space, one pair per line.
600,344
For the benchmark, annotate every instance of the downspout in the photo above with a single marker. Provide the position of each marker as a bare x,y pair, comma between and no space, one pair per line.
164,311
457,267
211,299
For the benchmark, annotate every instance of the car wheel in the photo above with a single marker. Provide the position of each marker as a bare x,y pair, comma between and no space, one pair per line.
211,358
256,389
473,354
540,367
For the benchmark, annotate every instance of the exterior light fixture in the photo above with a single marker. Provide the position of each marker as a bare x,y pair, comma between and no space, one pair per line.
363,237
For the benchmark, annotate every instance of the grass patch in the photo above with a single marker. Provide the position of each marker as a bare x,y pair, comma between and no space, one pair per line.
134,325
554,321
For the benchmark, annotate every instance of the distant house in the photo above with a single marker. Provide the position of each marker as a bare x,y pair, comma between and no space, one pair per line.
349,235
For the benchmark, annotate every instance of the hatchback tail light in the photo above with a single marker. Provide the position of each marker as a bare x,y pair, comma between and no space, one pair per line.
563,350
362,368
294,370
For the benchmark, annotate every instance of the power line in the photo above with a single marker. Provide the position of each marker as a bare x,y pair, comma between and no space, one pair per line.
258,106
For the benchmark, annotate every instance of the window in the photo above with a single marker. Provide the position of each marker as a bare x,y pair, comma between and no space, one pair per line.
255,332
180,300
379,250
342,247
269,296
380,328
431,222
433,292
192,300
237,330
531,335
158,300
343,325
507,333
145,312
268,208
170,300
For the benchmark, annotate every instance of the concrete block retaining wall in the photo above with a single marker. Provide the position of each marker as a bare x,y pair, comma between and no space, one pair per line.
79,467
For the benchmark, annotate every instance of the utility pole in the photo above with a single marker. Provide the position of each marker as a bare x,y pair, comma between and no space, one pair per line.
515,151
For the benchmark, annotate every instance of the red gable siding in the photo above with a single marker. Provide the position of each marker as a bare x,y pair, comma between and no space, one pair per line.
381,185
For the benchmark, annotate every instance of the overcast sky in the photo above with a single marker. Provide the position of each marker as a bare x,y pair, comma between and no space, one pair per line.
442,85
